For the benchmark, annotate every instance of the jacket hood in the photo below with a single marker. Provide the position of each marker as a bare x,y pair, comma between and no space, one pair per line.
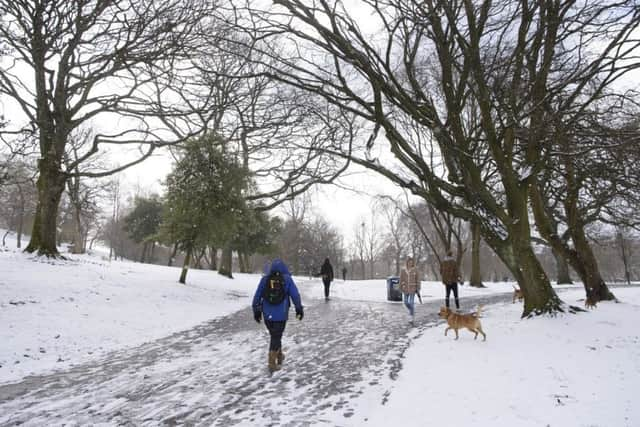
280,266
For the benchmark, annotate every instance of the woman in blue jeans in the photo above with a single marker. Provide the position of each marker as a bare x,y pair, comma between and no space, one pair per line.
410,285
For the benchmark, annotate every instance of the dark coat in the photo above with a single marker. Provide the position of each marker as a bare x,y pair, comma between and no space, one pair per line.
449,271
326,271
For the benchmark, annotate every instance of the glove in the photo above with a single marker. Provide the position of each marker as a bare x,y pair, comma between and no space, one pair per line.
300,314
257,315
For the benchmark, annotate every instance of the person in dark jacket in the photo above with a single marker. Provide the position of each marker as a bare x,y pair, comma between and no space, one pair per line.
450,278
276,315
326,271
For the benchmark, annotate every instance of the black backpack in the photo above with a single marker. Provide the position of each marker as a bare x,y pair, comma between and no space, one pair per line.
274,292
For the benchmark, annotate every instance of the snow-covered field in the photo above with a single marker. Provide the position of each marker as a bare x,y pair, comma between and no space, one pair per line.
573,370
54,314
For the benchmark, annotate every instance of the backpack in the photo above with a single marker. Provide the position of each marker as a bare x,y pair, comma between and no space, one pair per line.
274,292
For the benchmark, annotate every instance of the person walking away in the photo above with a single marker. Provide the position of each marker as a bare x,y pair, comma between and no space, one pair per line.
276,290
410,285
344,274
326,271
450,276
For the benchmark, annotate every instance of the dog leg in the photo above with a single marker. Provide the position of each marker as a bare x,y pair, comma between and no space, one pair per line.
456,333
446,330
484,336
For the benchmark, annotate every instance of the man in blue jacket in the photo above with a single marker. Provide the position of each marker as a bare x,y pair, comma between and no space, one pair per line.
272,300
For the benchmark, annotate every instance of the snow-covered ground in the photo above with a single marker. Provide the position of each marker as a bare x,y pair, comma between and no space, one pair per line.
54,314
572,370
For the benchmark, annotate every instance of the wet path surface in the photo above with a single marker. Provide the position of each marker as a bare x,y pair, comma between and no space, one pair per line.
215,374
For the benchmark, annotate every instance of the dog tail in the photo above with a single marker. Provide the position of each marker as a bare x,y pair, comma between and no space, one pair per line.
479,310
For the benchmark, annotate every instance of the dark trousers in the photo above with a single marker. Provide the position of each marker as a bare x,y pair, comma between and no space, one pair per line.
276,329
452,287
326,284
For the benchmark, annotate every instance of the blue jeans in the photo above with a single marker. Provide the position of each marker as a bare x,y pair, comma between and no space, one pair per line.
409,301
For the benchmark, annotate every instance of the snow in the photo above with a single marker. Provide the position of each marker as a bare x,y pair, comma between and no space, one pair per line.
571,370
575,370
54,314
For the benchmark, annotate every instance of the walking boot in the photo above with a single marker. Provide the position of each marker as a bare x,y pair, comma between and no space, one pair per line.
273,366
279,357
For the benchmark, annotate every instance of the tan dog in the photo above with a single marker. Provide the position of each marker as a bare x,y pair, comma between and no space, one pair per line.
457,321
589,303
517,294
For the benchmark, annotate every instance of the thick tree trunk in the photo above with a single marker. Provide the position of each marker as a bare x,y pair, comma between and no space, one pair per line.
516,251
50,184
595,288
226,261
539,296
476,274
562,269
185,266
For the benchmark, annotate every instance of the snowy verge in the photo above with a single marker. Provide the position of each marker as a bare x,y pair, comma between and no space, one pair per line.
54,314
573,370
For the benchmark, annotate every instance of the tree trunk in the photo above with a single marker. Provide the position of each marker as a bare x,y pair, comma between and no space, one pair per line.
539,296
20,218
625,257
476,274
594,286
50,184
144,252
562,269
397,262
152,252
185,266
213,264
516,251
78,232
226,261
198,261
173,254
242,262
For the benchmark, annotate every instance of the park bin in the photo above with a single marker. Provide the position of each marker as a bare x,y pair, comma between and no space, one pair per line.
393,289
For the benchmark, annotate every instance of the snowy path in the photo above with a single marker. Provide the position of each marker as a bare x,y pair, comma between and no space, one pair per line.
215,374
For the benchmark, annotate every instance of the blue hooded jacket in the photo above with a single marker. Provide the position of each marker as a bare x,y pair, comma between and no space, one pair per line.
279,312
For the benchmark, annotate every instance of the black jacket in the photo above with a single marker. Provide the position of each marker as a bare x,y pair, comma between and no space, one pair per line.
326,271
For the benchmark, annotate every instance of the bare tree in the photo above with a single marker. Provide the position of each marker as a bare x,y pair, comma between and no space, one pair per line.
626,252
69,63
17,196
84,198
397,232
434,64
